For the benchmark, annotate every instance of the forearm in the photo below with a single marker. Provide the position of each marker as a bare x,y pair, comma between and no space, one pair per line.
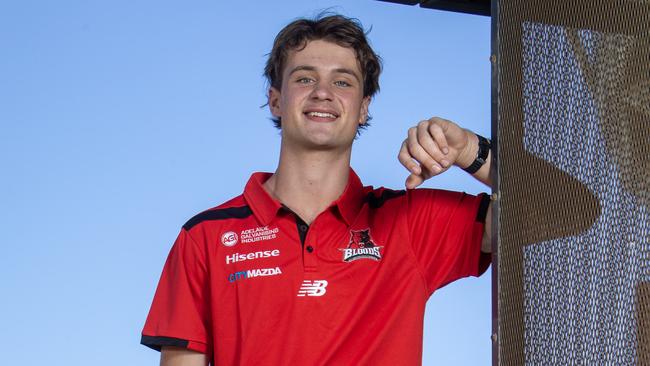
174,356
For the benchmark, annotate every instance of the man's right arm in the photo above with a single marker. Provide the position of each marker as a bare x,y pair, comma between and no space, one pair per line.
176,356
177,324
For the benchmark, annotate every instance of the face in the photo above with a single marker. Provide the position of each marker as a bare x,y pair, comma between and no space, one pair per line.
321,103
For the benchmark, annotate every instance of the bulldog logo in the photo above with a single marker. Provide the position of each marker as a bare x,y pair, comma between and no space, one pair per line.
361,246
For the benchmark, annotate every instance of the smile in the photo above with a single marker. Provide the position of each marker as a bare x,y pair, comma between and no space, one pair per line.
321,114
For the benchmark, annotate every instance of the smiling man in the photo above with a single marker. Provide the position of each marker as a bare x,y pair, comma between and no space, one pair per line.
308,266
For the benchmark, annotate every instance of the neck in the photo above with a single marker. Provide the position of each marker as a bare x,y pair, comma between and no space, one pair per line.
309,181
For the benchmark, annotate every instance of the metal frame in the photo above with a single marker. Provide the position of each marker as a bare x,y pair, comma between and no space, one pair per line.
475,7
496,194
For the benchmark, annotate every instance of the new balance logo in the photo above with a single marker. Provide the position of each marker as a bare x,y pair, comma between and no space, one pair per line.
313,288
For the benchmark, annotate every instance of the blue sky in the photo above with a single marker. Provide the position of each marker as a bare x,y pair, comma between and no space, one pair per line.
122,119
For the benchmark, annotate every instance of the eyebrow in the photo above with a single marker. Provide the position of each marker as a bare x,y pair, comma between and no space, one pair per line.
341,70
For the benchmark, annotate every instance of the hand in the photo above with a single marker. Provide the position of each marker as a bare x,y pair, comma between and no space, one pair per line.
432,147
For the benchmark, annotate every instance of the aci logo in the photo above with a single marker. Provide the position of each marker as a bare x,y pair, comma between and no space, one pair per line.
313,288
259,272
361,246
229,238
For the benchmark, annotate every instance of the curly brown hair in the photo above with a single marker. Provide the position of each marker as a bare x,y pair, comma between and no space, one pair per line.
338,29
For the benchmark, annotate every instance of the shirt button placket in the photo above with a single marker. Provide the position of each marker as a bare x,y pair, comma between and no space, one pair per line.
309,253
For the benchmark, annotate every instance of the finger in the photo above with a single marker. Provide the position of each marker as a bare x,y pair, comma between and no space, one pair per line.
455,136
426,140
436,130
443,123
445,159
419,154
407,161
413,181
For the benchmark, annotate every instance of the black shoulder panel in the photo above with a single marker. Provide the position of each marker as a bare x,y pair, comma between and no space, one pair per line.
482,208
386,194
219,214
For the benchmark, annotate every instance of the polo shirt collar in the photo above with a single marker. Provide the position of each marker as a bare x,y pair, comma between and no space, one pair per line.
265,207
350,202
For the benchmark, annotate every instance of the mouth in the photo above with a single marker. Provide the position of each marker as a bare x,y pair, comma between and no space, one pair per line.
321,116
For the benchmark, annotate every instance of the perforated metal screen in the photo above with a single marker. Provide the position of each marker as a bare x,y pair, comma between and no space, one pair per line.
573,111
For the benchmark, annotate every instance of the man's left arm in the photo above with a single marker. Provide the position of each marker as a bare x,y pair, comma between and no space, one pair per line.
433,146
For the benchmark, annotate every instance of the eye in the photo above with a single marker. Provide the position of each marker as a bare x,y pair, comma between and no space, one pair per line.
342,83
304,80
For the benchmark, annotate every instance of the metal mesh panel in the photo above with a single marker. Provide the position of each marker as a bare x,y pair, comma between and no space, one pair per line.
574,177
643,322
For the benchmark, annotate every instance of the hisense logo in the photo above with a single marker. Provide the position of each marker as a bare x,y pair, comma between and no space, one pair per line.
238,257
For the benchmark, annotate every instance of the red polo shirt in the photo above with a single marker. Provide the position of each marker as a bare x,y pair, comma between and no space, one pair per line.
249,283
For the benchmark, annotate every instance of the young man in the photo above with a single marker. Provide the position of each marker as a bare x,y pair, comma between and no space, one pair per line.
307,266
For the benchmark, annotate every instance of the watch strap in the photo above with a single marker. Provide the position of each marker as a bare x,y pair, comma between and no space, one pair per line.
484,146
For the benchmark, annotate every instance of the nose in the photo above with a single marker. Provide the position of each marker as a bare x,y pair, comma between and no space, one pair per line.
322,91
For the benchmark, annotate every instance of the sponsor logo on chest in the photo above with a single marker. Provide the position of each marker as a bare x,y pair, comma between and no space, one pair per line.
251,273
258,234
231,238
240,257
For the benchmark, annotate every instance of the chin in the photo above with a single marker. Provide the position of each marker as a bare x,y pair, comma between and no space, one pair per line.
316,144
321,139
330,144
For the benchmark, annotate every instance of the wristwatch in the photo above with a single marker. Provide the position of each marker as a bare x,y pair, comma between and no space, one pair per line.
484,146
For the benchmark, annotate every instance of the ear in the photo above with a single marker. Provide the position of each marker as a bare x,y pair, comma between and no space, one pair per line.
274,102
363,113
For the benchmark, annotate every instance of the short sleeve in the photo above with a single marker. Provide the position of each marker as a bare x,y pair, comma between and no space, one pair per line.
446,231
179,314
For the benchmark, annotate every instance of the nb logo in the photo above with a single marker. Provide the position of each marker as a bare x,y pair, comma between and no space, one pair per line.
313,288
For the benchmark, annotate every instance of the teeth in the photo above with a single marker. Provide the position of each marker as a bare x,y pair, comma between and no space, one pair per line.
321,114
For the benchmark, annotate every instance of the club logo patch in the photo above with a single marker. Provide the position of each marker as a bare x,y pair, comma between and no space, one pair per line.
361,246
